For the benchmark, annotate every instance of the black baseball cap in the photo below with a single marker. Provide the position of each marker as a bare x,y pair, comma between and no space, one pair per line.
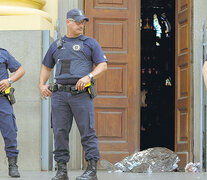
77,15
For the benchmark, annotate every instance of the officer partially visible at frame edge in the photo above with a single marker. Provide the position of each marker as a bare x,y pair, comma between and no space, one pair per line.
7,118
74,56
205,73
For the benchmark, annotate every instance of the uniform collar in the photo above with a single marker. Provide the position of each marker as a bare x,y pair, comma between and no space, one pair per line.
73,39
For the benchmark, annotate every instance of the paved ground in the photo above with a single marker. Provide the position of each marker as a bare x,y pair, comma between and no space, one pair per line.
103,175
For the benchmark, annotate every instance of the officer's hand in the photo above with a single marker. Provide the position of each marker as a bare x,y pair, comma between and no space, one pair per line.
80,85
45,91
4,84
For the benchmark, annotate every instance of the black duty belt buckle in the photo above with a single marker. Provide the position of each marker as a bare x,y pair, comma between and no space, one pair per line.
60,88
66,88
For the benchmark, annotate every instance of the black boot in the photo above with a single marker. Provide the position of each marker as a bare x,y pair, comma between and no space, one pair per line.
90,173
61,172
13,168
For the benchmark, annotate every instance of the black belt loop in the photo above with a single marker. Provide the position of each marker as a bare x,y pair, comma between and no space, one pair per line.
67,88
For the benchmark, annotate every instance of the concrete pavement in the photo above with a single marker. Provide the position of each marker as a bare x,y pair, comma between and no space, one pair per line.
103,175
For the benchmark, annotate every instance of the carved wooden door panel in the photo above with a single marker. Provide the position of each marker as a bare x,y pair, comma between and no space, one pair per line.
115,25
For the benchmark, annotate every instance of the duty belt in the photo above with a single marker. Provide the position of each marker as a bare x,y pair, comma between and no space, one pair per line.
65,88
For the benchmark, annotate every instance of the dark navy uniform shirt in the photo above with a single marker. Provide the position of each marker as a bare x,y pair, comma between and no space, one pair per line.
91,49
7,61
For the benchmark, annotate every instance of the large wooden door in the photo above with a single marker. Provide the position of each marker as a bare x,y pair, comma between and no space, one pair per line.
115,25
182,84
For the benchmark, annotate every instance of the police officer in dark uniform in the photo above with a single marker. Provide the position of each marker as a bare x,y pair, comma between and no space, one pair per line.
74,57
7,118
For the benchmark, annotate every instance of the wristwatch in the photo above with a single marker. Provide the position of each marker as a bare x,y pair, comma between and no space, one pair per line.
10,81
90,76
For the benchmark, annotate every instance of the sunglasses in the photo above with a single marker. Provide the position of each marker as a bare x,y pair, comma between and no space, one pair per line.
78,23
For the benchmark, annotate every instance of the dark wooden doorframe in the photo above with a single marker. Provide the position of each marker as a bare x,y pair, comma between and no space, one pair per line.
182,81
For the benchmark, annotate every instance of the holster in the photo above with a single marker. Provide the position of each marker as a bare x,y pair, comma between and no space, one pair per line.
53,87
9,93
92,89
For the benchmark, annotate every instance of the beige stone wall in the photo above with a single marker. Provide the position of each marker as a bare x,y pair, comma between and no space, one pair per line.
26,47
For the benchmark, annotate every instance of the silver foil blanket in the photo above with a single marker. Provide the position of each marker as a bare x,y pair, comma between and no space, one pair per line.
156,159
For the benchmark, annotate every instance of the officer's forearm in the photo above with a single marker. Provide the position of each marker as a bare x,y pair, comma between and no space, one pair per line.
17,74
44,75
99,70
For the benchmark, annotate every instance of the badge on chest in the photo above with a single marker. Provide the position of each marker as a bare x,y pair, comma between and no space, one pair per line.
76,47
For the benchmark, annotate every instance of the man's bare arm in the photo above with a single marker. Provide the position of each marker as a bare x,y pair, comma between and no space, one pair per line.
97,72
4,84
205,73
44,76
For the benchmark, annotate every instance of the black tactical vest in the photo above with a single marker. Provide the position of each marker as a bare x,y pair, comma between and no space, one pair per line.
71,61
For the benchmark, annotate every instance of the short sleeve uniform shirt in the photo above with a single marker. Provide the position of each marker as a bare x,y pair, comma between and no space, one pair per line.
7,62
91,49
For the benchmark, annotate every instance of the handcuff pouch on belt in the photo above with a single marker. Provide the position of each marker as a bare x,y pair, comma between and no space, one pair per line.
53,87
9,93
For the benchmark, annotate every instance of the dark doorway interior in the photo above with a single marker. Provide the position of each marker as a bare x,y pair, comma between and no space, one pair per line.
157,73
